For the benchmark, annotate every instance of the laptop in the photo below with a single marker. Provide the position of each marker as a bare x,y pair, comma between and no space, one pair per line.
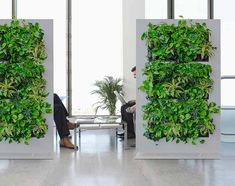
120,97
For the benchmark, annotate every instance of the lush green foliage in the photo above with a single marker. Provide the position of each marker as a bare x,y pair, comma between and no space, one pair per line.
22,87
181,43
105,90
177,86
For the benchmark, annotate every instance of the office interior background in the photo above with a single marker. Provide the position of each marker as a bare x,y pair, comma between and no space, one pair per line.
103,44
105,18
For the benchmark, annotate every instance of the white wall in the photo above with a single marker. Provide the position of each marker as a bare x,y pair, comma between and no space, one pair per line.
132,10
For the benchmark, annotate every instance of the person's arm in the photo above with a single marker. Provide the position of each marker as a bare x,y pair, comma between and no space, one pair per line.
131,109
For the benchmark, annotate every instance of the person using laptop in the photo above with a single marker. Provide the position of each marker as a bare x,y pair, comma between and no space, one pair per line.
127,112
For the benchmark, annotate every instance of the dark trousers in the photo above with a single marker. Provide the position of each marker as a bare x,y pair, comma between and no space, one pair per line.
60,114
128,117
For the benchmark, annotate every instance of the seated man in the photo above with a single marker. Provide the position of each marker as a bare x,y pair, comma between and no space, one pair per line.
62,124
128,111
127,116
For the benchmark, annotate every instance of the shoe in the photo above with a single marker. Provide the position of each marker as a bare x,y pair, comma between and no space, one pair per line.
71,126
66,143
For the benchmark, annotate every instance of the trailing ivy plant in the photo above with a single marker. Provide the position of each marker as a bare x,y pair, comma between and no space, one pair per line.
23,96
177,86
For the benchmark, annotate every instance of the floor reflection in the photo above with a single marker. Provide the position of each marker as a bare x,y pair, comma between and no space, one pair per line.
101,161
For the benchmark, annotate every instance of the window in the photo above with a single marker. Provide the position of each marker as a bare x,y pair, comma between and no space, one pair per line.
224,11
191,9
97,48
155,9
5,9
56,10
228,92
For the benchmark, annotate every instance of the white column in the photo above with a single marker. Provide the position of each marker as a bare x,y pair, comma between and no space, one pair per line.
132,10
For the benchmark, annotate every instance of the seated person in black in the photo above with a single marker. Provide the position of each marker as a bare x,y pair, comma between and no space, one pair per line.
62,124
127,112
128,118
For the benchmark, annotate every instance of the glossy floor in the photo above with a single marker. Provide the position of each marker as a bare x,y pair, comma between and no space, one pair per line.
100,162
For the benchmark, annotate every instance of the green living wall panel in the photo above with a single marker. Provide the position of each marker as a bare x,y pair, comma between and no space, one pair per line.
26,88
177,79
22,86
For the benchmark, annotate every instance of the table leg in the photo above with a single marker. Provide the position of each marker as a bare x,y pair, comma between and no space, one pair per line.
79,136
125,135
75,138
56,135
116,131
116,136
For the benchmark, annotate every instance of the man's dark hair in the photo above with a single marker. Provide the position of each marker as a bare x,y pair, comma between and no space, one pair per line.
133,69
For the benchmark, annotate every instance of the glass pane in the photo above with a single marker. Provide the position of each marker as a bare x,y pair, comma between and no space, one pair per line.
5,9
227,47
155,9
191,9
227,34
97,48
228,92
227,116
34,9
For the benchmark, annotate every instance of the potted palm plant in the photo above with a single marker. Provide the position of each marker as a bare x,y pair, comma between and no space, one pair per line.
105,91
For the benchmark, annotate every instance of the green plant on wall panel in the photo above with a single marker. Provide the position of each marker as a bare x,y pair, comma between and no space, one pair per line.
22,86
180,43
177,85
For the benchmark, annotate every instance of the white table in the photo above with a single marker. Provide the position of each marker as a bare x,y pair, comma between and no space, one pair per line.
93,122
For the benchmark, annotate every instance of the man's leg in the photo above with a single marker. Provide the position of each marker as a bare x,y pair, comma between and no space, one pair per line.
60,121
58,101
62,127
128,117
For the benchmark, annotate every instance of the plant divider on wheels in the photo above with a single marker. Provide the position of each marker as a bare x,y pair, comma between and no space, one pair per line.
178,96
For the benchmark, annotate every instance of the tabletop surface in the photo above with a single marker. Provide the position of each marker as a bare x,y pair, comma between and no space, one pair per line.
95,119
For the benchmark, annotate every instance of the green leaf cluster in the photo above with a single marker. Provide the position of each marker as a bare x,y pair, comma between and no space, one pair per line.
180,43
177,90
22,86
